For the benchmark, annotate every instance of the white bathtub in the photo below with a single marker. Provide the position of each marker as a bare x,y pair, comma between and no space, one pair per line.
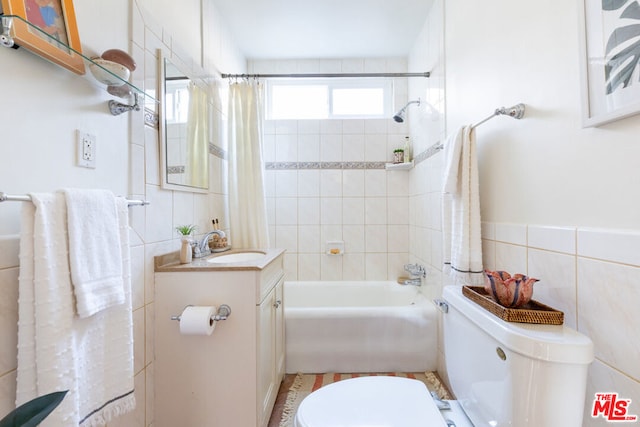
358,327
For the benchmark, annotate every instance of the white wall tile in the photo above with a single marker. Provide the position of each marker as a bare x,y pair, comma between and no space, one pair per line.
354,240
375,210
604,379
353,266
331,211
286,182
287,237
330,267
375,266
309,239
286,211
309,211
9,250
353,183
308,183
511,233
613,245
376,148
398,210
331,127
376,238
8,319
353,209
398,238
309,266
375,184
353,127
558,285
331,183
612,291
331,148
559,239
511,258
286,148
353,148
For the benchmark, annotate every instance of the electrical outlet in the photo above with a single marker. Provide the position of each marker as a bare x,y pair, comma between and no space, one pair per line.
86,155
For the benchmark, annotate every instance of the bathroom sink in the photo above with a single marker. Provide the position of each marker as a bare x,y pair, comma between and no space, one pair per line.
236,257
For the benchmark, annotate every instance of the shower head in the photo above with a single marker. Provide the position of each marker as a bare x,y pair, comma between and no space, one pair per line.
400,115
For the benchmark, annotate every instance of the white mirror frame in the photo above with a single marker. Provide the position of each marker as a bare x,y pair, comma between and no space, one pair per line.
162,133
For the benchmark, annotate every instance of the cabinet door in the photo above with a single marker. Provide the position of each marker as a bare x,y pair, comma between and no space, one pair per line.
279,332
266,357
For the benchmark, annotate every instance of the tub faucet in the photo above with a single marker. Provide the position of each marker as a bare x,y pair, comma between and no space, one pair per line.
417,273
202,249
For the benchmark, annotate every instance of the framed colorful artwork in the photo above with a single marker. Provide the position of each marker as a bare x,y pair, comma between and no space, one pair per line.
48,28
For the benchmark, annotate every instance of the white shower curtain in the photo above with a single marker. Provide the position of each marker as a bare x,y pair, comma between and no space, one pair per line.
247,204
197,165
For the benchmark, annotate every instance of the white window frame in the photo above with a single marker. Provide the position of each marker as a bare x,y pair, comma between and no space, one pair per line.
386,84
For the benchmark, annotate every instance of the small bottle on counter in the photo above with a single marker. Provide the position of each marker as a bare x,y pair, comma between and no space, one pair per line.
407,149
185,251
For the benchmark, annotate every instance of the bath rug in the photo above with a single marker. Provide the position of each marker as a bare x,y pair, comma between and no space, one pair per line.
304,384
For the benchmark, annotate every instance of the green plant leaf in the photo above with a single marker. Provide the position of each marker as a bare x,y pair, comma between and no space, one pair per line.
632,11
612,4
619,67
185,230
32,413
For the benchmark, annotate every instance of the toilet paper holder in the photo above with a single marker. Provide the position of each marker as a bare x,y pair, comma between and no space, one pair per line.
223,313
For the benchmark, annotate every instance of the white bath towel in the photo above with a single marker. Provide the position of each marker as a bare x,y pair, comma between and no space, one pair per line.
94,250
91,357
462,246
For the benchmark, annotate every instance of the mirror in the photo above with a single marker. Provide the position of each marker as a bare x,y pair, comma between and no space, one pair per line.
184,129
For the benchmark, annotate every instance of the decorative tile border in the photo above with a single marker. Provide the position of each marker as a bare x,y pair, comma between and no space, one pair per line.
175,169
429,152
323,165
217,151
151,118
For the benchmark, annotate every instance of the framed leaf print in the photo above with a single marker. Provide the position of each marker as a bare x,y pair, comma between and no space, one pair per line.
610,52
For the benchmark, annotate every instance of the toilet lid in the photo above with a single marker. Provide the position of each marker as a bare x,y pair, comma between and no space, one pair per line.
370,402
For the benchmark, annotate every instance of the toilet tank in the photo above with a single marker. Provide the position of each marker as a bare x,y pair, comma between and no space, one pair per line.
513,374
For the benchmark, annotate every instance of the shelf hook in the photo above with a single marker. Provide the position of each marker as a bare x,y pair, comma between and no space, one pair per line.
5,38
118,108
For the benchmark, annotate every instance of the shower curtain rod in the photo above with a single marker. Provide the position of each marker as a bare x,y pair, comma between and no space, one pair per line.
4,197
426,74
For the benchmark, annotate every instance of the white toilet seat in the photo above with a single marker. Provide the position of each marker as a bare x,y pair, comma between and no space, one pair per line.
378,401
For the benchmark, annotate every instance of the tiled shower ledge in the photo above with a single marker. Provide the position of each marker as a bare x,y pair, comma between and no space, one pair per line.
431,151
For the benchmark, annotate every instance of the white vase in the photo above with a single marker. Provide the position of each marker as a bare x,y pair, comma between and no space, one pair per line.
185,251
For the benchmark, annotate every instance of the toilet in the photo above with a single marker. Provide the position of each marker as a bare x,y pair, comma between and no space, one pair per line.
502,374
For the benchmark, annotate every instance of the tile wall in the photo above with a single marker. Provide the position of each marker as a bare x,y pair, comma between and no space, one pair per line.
325,181
591,275
152,227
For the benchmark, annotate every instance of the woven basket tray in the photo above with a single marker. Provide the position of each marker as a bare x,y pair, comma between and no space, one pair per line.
532,312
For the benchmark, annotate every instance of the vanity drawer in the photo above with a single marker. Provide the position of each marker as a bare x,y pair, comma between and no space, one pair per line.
268,278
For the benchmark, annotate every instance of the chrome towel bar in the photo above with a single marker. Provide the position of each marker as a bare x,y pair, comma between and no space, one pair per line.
4,197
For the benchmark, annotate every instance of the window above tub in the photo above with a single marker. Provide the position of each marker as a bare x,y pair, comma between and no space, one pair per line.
296,99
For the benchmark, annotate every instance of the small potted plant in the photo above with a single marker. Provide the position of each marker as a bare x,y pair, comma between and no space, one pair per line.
185,232
398,155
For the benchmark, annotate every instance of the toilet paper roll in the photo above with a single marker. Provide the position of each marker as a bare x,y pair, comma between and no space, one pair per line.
197,320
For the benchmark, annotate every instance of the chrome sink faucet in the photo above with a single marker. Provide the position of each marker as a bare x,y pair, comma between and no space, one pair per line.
417,272
202,248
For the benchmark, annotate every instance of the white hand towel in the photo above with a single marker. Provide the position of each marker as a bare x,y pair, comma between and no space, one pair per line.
94,250
462,251
90,357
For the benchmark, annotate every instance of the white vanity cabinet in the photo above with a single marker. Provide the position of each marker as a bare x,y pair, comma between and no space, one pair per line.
231,377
